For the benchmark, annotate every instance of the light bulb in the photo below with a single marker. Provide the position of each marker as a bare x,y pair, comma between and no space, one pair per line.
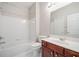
23,21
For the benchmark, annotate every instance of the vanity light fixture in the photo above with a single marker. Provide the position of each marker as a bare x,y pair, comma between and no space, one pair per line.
50,4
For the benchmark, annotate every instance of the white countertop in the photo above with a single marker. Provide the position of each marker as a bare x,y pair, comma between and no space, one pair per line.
64,43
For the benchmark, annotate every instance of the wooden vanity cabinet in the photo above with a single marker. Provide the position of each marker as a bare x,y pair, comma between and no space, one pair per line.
46,52
57,50
44,43
56,54
70,53
52,50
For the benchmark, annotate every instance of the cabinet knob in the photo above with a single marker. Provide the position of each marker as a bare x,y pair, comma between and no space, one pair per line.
73,56
42,43
56,55
51,53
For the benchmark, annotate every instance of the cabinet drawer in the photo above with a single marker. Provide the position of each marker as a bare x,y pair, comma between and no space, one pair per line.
44,43
70,53
56,48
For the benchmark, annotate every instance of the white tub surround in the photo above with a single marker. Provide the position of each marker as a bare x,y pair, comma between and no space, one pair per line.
21,50
33,50
14,50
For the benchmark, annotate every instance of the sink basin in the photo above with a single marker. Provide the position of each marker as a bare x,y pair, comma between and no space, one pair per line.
50,38
56,40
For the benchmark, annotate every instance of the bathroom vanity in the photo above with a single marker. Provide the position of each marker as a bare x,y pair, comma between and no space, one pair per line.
66,24
54,50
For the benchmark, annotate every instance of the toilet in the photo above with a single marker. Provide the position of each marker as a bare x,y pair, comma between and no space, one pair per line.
36,49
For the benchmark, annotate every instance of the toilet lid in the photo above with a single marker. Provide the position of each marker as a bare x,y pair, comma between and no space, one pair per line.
36,44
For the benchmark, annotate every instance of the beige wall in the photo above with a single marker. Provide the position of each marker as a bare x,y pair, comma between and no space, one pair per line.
44,18
40,11
11,10
37,18
32,11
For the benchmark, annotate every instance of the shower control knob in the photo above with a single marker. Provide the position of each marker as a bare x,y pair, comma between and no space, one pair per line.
1,38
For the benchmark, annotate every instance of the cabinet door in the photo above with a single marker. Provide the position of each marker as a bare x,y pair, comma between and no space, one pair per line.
46,52
44,43
70,53
57,54
55,48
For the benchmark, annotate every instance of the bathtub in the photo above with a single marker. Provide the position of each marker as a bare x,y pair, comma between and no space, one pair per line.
20,50
16,51
34,50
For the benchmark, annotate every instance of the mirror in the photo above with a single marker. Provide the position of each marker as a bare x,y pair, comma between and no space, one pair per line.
57,25
73,25
65,21
68,26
